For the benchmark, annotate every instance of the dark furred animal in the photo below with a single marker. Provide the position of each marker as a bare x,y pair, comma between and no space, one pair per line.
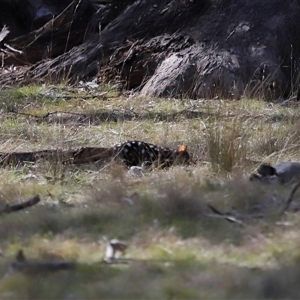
284,172
131,153
136,153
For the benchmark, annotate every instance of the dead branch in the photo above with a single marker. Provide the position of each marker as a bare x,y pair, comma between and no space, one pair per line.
73,156
50,266
16,207
227,216
22,264
13,49
289,199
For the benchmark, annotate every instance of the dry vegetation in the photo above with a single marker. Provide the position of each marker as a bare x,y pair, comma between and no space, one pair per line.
177,247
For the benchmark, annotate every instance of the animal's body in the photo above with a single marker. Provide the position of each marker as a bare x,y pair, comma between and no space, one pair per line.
138,153
131,153
284,172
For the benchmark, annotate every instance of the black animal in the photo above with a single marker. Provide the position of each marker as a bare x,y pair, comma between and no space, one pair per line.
284,172
137,153
131,153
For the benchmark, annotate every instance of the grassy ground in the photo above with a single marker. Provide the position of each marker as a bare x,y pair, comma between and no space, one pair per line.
176,248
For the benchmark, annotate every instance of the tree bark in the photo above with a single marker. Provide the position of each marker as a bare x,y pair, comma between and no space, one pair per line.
189,48
66,30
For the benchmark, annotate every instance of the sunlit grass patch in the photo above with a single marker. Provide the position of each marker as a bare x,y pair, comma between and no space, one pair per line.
276,141
140,280
41,99
26,91
165,215
226,145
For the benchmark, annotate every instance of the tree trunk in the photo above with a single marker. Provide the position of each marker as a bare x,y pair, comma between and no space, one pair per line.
192,48
57,36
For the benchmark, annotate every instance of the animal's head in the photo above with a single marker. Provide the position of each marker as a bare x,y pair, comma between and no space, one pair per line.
264,179
182,156
266,170
266,174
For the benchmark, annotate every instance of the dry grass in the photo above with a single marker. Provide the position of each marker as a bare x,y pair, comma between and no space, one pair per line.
178,249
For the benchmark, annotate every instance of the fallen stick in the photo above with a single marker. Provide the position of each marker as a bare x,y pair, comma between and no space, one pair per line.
289,199
227,216
48,266
22,264
16,207
72,156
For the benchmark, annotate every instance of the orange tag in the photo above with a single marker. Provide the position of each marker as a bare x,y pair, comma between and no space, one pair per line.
182,148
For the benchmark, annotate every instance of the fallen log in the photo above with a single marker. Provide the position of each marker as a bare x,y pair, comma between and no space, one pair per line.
73,156
16,158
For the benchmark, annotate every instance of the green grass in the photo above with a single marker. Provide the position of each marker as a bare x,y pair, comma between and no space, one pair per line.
176,248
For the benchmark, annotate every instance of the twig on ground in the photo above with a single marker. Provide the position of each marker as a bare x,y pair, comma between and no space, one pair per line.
229,217
48,266
12,49
289,199
103,94
16,207
22,264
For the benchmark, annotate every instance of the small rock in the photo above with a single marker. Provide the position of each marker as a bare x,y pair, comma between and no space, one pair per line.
114,249
136,171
